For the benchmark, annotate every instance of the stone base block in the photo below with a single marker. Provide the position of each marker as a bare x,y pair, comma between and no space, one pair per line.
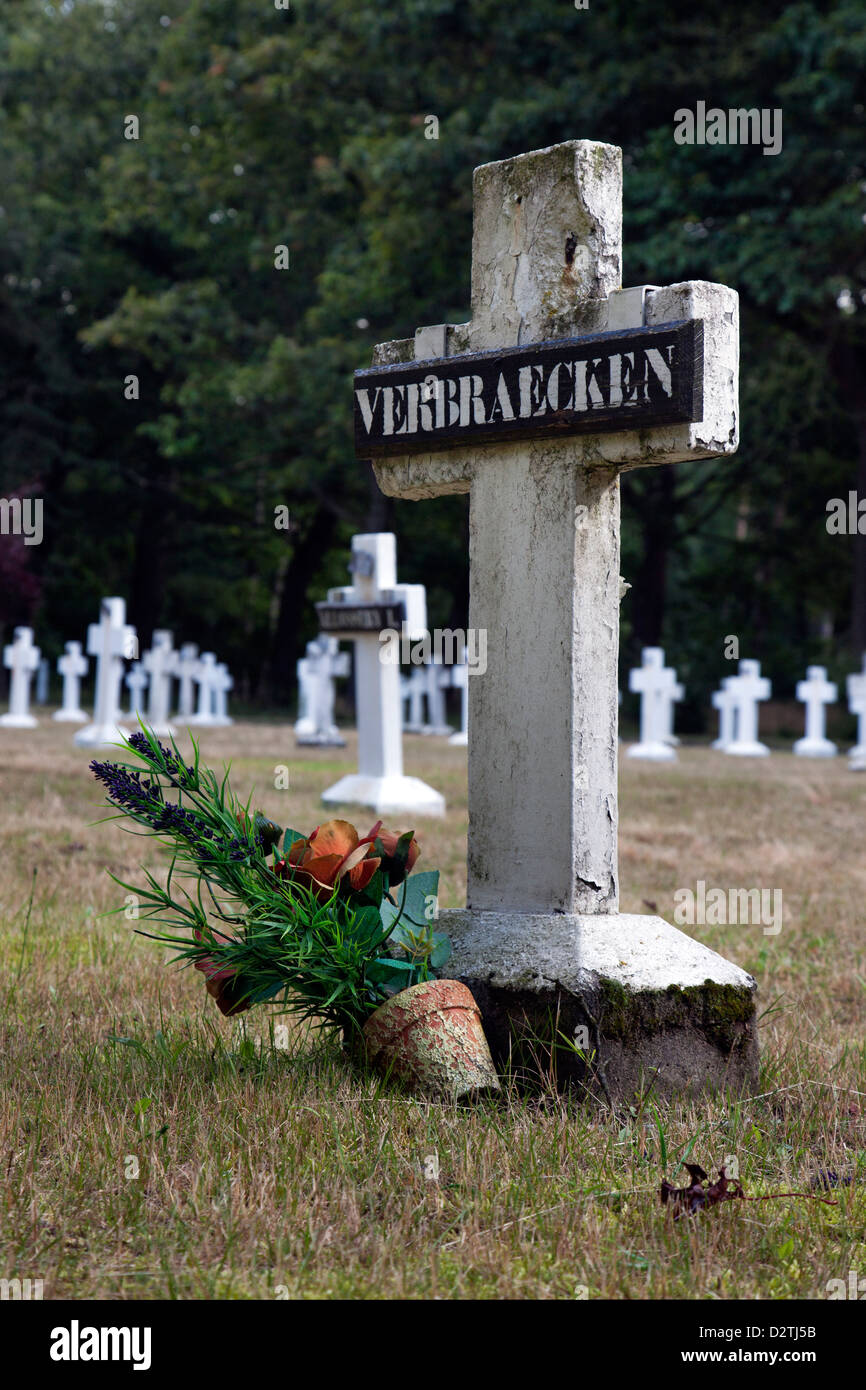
655,1006
70,716
815,748
387,795
459,740
748,749
17,721
653,752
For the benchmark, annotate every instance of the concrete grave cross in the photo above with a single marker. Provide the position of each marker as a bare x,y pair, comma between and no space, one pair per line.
748,687
322,665
855,686
376,603
160,663
187,664
205,675
725,701
21,658
110,641
72,666
136,681
534,410
656,684
816,692
414,689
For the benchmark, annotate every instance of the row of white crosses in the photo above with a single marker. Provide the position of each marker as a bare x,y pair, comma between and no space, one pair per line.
738,699
155,673
111,641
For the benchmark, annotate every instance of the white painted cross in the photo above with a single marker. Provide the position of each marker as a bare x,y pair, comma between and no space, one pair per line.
542,887
748,687
380,781
322,665
72,666
136,680
657,686
223,682
160,663
187,665
816,692
22,659
109,640
855,685
413,689
725,702
205,675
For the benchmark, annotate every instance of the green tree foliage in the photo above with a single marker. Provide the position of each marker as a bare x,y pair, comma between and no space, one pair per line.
307,128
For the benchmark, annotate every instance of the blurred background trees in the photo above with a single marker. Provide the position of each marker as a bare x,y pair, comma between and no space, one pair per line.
165,388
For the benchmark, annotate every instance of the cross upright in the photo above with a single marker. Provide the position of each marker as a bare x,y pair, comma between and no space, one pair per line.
72,666
656,684
160,663
187,664
749,686
380,781
136,682
22,659
816,692
534,410
205,675
725,701
110,641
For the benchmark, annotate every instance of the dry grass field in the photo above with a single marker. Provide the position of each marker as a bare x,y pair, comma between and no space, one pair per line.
152,1149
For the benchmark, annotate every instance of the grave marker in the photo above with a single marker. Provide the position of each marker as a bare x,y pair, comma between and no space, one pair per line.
21,658
657,686
205,675
110,641
187,665
379,781
136,680
541,937
160,663
748,687
413,689
323,663
72,666
725,702
816,692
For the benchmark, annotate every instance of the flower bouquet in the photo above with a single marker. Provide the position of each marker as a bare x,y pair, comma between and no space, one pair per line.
332,927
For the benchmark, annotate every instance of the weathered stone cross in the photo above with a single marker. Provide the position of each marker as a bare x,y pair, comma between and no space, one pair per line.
542,938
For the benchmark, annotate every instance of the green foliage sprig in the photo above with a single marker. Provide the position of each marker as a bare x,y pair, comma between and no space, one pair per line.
326,926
